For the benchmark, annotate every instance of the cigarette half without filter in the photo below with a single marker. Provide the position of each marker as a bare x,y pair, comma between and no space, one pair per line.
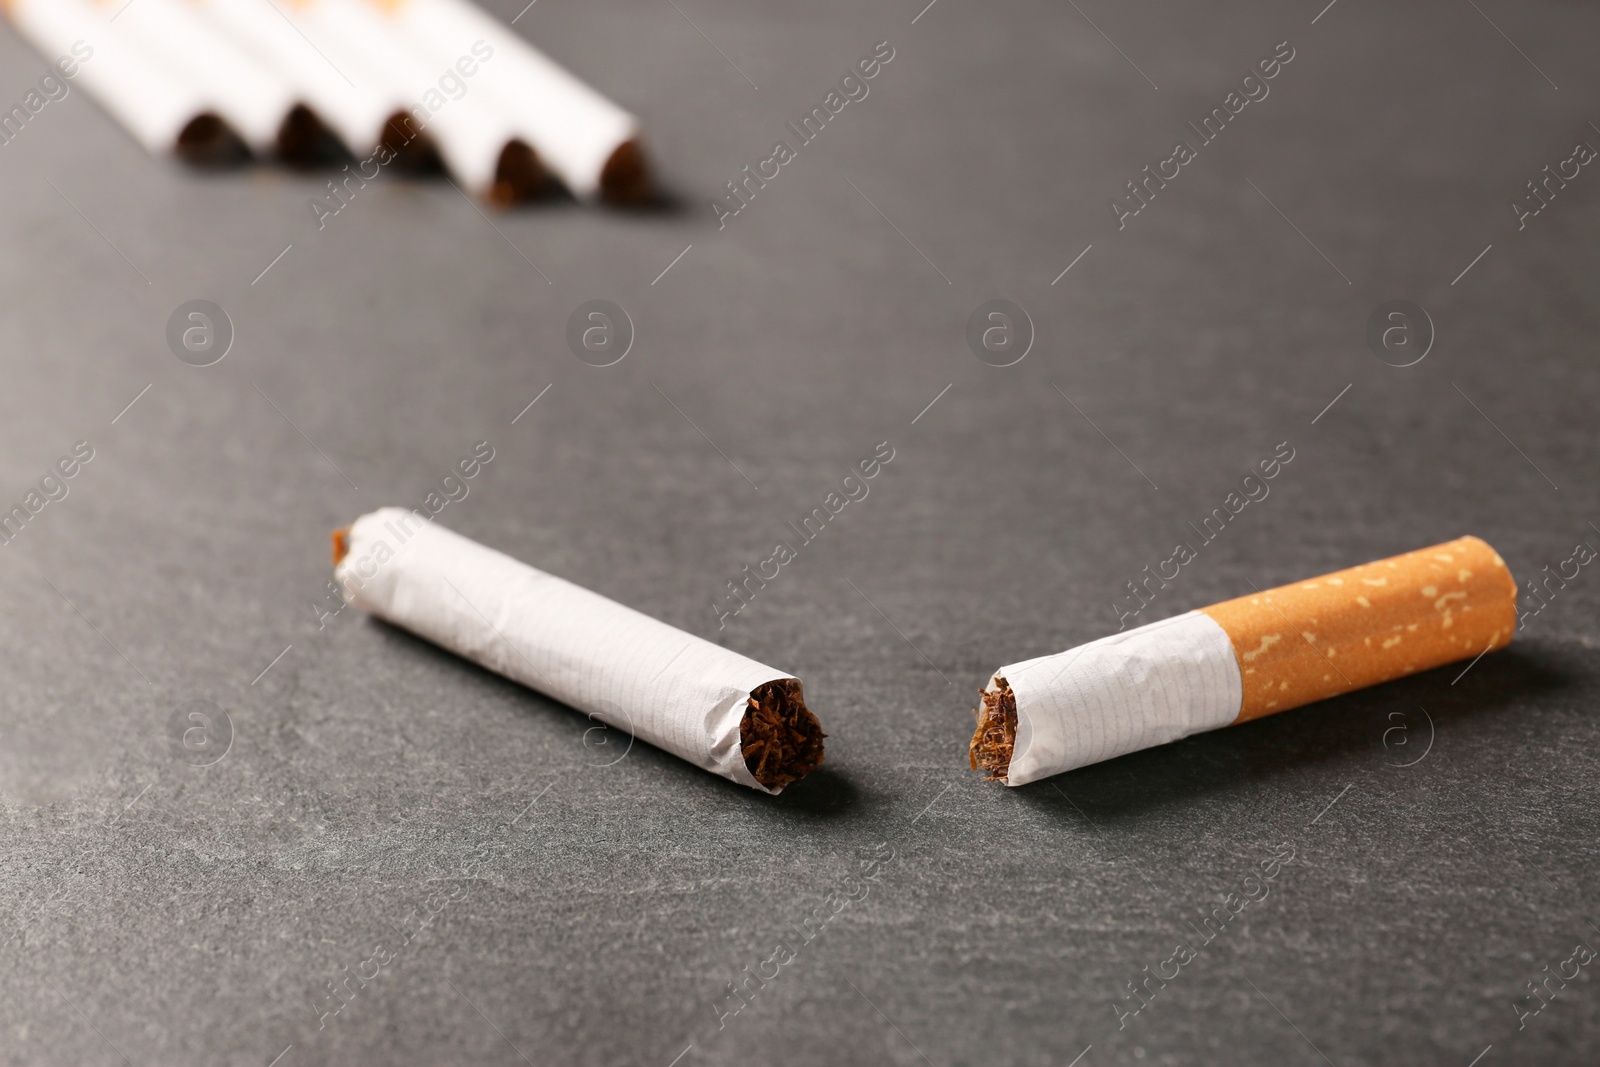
1245,658
713,707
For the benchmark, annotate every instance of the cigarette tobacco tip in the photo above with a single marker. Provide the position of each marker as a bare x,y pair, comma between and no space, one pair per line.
519,176
207,141
625,181
780,737
305,142
990,748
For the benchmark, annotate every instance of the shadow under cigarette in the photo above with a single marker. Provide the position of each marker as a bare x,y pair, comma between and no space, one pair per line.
661,201
824,793
1366,730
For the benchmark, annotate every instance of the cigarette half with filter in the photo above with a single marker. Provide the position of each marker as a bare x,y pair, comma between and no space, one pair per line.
164,112
590,143
1243,659
713,707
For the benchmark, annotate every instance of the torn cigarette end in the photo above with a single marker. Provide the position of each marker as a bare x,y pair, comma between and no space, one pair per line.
341,544
625,180
991,744
780,738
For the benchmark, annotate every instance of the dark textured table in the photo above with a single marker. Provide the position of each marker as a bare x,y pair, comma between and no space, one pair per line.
486,882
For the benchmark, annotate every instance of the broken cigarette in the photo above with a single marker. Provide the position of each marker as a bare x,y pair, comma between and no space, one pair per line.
161,111
713,707
1244,658
587,141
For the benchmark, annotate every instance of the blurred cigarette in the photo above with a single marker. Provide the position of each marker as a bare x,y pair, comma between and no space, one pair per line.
715,708
476,141
346,97
161,110
587,141
258,103
1245,658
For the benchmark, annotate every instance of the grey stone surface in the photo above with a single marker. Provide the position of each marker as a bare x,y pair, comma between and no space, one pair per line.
157,912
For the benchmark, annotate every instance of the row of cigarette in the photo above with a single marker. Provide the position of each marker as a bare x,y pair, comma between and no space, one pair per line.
1228,663
412,83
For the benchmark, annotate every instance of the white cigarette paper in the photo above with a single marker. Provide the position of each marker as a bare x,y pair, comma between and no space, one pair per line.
587,141
255,101
161,111
477,141
1130,691
670,688
345,97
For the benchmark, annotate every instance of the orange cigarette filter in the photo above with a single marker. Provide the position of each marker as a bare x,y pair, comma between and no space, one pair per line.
1315,639
1241,659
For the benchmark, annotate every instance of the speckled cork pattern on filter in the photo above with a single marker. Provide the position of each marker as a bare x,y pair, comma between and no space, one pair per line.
1324,636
